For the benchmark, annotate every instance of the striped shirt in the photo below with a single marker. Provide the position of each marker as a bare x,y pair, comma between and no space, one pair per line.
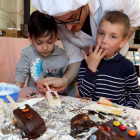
116,79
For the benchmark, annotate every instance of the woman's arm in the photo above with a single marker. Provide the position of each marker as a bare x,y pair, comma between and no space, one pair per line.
60,84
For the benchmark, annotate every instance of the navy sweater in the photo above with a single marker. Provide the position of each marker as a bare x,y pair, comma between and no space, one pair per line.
116,79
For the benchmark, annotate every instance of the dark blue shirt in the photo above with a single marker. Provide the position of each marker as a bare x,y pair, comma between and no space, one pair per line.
116,79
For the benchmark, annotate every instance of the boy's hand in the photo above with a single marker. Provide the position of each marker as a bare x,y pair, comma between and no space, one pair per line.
57,84
95,57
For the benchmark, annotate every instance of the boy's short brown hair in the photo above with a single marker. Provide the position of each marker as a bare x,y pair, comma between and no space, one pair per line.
39,23
117,17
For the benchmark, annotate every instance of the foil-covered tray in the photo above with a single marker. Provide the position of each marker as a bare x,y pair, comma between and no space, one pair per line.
58,121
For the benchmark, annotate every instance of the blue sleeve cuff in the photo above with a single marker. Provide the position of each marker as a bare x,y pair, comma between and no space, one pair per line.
90,75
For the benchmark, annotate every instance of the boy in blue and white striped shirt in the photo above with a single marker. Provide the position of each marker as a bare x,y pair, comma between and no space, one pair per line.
105,72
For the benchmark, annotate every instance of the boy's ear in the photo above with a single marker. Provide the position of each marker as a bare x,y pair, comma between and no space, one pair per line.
123,43
30,40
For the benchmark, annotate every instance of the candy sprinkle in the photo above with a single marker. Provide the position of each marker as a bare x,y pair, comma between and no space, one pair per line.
29,116
107,129
54,98
116,123
132,133
22,107
123,127
25,110
108,100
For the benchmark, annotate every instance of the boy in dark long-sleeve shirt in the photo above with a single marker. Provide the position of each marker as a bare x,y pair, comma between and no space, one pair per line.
105,72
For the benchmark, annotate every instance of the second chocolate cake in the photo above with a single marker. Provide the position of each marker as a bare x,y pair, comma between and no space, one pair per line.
30,122
80,123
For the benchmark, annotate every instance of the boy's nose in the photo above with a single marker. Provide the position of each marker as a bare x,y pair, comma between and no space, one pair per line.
45,47
69,26
104,40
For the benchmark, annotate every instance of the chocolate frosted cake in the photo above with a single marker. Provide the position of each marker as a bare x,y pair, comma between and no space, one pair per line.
122,133
30,122
80,123
104,135
108,131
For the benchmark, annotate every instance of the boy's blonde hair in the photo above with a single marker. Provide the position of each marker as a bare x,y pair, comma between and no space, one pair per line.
117,17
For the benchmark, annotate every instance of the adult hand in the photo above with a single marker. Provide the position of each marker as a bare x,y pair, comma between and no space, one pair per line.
57,84
94,58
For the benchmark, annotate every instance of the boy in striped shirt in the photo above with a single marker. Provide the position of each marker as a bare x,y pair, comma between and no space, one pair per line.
105,72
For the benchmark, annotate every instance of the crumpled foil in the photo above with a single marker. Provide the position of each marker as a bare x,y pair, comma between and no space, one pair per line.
57,121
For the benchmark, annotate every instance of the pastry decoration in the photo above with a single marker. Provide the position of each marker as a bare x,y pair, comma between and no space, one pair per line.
53,97
25,110
106,106
132,133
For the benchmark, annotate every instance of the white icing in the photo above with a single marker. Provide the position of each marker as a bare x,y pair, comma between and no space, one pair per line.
106,109
22,107
51,101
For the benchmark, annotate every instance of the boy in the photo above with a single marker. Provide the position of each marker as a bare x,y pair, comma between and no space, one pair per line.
42,58
105,72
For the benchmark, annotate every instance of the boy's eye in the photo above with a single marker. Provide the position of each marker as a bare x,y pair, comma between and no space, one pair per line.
100,33
38,43
50,42
113,36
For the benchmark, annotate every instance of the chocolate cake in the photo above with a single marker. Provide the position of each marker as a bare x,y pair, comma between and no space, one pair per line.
103,135
122,133
108,131
30,122
80,123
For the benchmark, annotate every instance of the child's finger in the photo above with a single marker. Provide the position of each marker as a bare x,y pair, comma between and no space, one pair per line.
97,48
85,55
104,53
53,89
90,49
100,52
41,89
39,86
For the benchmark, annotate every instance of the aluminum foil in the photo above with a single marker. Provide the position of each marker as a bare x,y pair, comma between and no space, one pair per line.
57,121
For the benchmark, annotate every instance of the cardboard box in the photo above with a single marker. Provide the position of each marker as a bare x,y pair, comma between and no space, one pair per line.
10,33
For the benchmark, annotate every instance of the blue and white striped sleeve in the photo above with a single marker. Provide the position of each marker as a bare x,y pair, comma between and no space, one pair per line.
132,88
86,80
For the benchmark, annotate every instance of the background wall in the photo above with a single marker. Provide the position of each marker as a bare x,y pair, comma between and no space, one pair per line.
11,13
32,8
